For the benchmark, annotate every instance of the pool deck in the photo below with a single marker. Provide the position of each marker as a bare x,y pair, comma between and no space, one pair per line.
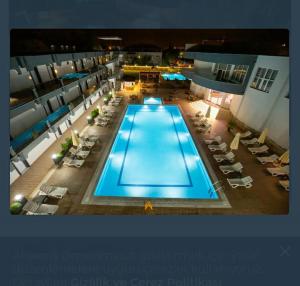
265,197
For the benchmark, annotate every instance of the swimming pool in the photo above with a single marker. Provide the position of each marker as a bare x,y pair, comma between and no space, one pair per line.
154,156
152,100
173,76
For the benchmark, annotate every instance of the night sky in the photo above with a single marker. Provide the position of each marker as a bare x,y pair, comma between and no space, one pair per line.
39,41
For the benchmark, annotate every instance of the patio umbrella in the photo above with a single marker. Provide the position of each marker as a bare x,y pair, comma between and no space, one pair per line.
285,157
234,145
263,136
75,140
208,112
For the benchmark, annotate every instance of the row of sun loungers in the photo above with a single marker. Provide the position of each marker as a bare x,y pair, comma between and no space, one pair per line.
238,167
78,155
230,168
200,122
33,207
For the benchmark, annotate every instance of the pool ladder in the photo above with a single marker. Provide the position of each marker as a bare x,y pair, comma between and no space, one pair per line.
218,186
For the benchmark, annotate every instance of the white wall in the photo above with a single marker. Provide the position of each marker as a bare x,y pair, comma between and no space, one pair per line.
45,73
199,90
204,67
235,104
261,110
64,68
19,81
26,120
71,94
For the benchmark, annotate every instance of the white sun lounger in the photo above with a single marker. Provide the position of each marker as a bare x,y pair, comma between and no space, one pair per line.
92,138
220,147
240,182
87,144
79,153
102,123
199,123
33,208
52,191
258,150
249,142
224,157
73,162
267,159
246,134
217,139
203,129
285,184
226,169
280,171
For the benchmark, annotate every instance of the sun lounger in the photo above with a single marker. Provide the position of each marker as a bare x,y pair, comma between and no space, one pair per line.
241,182
224,157
203,129
249,142
220,147
267,159
258,150
73,162
101,123
79,153
87,144
246,134
285,184
217,139
92,138
226,169
33,208
199,123
52,191
280,171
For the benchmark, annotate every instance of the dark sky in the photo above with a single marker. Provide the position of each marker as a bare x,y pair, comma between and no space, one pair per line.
38,41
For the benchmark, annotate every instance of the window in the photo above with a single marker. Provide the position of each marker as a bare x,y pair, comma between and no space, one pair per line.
239,73
264,79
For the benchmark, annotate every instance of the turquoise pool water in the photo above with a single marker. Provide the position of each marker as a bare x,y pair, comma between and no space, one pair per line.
173,76
154,156
152,100
74,75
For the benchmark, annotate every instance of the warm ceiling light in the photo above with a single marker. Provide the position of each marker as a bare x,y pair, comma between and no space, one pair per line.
110,38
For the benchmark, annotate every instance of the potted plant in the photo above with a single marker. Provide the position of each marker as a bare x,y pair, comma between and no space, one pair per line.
230,126
16,208
94,113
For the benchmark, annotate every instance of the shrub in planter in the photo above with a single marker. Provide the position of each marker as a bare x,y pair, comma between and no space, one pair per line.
230,126
94,113
16,208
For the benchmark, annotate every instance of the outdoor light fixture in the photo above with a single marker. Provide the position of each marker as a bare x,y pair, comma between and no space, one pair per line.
30,77
72,67
54,156
18,198
76,132
55,71
110,38
88,117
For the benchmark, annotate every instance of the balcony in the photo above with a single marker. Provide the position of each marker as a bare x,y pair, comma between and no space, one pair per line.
209,80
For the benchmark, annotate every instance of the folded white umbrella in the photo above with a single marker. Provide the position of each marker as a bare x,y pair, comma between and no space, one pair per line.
262,137
234,145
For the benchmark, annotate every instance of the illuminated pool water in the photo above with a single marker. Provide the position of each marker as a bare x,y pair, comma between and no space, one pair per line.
74,75
173,76
154,156
152,100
